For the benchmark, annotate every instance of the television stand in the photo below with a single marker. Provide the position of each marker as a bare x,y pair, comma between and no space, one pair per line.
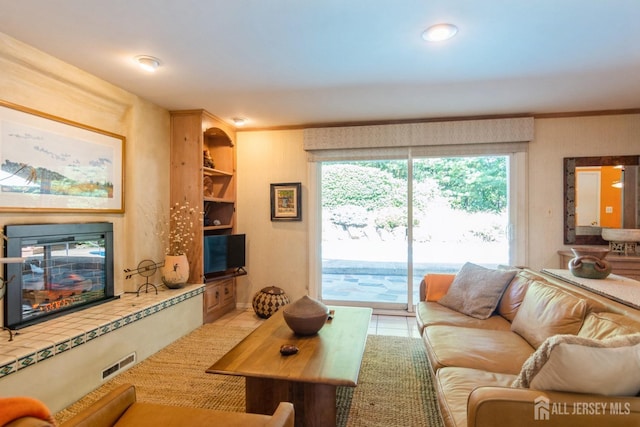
219,297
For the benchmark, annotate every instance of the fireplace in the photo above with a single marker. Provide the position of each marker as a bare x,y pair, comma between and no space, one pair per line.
68,267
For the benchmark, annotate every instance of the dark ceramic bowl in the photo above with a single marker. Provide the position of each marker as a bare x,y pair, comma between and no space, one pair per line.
305,316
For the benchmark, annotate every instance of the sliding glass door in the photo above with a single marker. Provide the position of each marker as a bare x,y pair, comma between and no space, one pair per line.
460,214
364,233
387,223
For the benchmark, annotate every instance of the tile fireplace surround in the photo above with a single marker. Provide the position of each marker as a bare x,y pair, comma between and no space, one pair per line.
54,337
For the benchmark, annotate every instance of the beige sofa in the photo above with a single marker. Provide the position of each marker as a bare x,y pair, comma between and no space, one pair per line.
476,361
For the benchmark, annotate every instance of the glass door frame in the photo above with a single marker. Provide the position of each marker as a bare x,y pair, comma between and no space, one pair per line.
517,230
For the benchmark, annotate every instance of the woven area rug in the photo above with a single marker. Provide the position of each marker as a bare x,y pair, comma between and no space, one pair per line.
394,388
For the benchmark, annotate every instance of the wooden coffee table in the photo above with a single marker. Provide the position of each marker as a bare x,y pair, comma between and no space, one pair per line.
308,379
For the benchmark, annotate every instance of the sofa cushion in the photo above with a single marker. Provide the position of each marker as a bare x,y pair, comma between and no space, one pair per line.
454,385
548,311
488,350
514,294
575,364
432,313
476,290
606,325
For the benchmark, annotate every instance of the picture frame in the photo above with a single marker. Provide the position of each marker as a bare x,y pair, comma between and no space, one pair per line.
51,164
286,202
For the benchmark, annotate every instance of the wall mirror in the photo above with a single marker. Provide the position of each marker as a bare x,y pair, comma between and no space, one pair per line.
599,192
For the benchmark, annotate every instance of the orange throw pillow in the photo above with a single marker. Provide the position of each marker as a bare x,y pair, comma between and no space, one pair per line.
12,408
437,285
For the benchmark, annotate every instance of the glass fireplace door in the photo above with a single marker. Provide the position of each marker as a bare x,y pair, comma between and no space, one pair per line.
58,276
66,267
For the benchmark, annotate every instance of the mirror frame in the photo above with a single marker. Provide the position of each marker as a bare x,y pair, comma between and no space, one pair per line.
570,164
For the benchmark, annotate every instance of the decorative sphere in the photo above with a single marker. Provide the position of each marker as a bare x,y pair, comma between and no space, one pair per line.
268,300
306,316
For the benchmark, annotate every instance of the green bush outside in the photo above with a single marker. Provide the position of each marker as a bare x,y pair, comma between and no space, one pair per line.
360,193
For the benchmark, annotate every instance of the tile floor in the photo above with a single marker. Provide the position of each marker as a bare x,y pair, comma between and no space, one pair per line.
402,326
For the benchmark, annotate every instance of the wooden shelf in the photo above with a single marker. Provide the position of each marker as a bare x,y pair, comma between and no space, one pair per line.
194,133
216,172
218,200
218,227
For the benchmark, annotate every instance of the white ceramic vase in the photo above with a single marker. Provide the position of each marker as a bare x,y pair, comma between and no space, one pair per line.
175,271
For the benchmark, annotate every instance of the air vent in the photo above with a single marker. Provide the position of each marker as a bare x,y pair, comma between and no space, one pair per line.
124,363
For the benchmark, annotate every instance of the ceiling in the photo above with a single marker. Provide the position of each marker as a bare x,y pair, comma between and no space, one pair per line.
301,62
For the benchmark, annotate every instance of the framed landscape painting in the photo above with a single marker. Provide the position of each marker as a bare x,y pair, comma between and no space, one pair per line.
51,164
286,202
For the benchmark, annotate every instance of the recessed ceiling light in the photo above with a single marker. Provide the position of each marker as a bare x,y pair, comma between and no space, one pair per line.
439,32
239,121
148,63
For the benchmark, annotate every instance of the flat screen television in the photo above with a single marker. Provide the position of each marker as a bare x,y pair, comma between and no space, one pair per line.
223,253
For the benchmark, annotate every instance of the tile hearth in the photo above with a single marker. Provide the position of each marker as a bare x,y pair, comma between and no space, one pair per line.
46,340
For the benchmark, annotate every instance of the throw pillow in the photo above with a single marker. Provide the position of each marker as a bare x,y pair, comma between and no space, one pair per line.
14,408
576,364
437,285
476,290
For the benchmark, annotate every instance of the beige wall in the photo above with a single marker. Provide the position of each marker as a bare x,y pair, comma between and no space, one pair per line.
278,252
556,139
30,78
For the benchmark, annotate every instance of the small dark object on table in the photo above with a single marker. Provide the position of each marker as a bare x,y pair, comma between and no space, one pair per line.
288,349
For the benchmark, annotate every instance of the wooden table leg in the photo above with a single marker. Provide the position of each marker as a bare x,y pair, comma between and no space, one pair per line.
263,395
314,404
319,405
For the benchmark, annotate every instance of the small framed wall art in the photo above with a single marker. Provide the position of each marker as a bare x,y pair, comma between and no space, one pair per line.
286,202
